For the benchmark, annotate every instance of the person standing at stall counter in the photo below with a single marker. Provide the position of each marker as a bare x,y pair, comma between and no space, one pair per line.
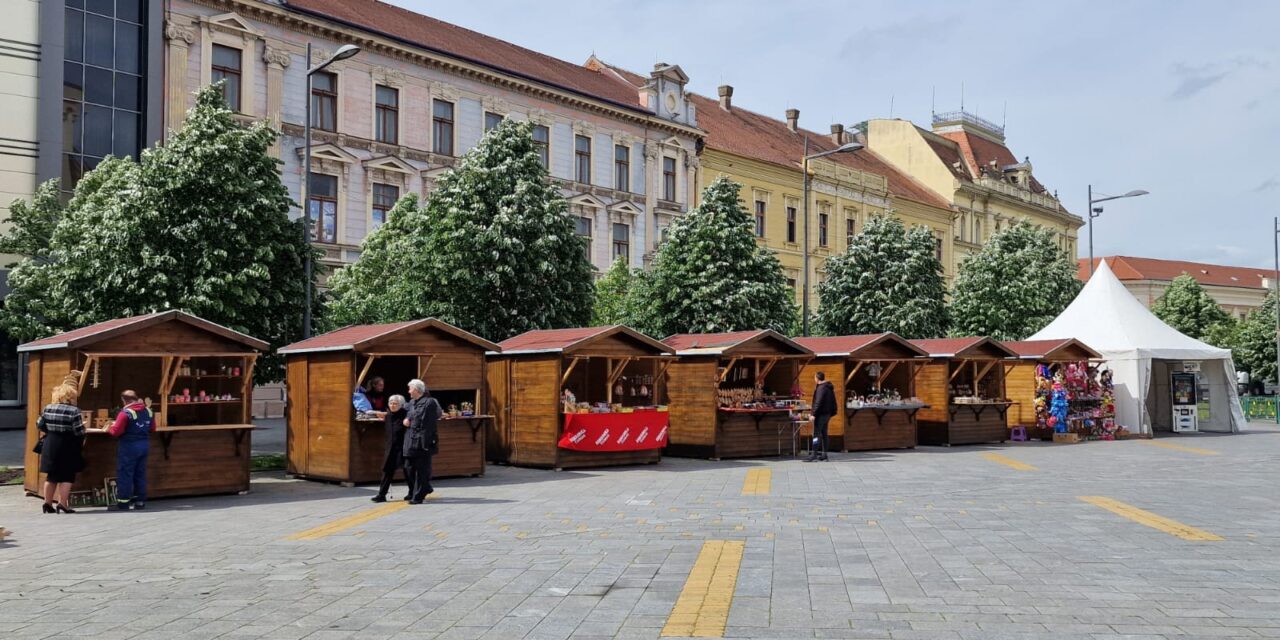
134,426
824,406
420,440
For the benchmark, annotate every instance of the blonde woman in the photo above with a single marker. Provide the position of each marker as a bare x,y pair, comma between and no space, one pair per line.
62,429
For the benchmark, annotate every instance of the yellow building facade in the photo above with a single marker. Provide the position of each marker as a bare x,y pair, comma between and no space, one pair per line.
764,155
964,160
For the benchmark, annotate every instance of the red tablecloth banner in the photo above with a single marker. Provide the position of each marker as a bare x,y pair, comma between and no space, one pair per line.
635,431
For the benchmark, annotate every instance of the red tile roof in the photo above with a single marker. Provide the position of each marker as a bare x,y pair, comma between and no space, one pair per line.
843,345
1131,268
83,336
978,152
435,35
1042,348
564,339
360,335
949,153
720,342
947,347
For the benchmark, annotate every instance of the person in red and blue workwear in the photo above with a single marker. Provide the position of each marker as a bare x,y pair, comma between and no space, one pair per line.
134,426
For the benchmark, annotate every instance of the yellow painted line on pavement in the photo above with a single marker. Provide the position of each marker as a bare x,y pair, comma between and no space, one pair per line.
342,524
1182,447
757,482
1008,462
1157,522
702,610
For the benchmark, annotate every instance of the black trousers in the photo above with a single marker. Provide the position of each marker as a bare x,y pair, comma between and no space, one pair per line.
394,463
820,435
417,472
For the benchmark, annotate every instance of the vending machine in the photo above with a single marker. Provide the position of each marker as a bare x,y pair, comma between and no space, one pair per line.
1183,386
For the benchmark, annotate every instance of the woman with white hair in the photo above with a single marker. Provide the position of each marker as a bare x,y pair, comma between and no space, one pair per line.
392,460
420,441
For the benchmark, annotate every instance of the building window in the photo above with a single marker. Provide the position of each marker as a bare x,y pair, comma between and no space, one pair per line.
582,159
384,198
442,127
823,219
103,86
584,232
322,208
621,168
937,248
324,101
387,114
791,282
760,205
542,142
668,179
977,230
622,241
791,224
226,68
850,230
491,120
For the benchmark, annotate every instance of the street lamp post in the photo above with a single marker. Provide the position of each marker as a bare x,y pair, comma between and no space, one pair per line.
1276,284
343,52
804,302
1094,212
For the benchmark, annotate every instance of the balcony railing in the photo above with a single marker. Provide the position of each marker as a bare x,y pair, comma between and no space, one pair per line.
967,118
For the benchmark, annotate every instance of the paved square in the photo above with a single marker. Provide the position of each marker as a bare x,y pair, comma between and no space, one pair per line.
929,543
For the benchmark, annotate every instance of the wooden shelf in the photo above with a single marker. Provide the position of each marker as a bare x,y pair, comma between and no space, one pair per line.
203,404
210,375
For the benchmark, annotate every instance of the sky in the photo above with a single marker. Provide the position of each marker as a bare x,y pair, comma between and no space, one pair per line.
1181,99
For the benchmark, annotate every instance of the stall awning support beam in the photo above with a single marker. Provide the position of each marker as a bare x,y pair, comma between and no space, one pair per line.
615,367
724,373
977,377
884,373
957,371
423,365
368,364
856,368
761,374
572,364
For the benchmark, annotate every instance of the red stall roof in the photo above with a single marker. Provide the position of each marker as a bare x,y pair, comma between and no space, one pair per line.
361,336
828,346
85,336
558,340
1049,349
963,347
719,343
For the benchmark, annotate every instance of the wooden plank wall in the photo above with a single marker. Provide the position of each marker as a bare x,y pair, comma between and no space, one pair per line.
691,388
456,364
498,441
535,410
296,427
329,377
931,387
1020,386
174,336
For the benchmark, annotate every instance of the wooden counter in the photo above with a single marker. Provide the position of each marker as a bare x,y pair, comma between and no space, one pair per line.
968,424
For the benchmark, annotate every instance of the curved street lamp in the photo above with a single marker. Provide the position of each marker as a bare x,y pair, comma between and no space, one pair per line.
343,52
1097,211
844,148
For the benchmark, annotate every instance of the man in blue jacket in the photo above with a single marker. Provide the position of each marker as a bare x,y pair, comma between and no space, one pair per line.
133,426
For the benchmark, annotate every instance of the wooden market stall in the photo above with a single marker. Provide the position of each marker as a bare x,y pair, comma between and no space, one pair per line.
733,394
329,440
1025,387
874,379
575,398
964,387
196,376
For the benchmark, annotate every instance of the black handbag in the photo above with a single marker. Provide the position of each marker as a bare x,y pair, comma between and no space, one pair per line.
39,448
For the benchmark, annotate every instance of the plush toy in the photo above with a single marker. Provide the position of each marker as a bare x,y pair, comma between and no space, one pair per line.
1058,408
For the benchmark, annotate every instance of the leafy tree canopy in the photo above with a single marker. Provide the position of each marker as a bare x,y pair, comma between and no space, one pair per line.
1186,306
890,279
610,305
710,275
1016,285
1255,345
199,224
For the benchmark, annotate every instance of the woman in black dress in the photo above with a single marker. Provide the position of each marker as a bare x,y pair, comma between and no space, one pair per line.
395,442
60,458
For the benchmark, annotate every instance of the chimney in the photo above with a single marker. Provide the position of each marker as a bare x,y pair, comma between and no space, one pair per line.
837,133
793,119
726,97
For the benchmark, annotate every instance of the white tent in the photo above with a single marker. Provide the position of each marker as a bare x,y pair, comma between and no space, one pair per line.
1141,350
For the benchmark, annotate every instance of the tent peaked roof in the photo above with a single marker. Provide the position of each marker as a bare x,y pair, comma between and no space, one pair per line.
1109,319
361,336
85,336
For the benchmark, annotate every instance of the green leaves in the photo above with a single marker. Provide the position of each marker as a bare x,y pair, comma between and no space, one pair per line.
491,252
200,224
1018,283
1186,306
1255,341
890,279
710,275
610,305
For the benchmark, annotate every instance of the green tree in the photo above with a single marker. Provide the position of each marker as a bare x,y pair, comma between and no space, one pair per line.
710,275
492,252
1186,306
610,305
374,288
199,224
1018,283
31,224
890,279
1255,346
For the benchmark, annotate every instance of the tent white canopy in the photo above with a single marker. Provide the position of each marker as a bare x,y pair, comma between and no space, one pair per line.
1141,350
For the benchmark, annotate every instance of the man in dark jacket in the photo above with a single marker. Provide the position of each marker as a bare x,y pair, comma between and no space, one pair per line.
420,440
824,406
